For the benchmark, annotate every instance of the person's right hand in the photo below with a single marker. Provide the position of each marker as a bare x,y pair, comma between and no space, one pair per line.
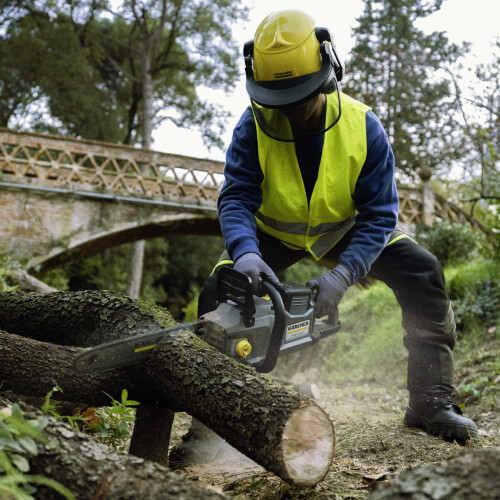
253,266
331,288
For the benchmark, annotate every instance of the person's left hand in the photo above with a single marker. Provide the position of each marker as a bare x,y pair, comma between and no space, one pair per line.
331,288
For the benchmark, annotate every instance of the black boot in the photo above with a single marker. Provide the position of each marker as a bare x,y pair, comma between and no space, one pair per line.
437,413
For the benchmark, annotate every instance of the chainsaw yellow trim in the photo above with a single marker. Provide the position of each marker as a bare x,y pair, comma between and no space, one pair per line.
145,348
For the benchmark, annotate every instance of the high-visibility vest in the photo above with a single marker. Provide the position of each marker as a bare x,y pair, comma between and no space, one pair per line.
285,212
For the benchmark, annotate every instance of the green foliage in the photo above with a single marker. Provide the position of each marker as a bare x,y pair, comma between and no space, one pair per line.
474,291
451,243
57,279
179,266
480,373
474,389
174,270
51,407
6,264
102,271
369,345
18,442
109,425
191,310
112,425
302,271
256,484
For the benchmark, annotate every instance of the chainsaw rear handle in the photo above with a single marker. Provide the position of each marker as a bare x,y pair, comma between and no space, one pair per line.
273,350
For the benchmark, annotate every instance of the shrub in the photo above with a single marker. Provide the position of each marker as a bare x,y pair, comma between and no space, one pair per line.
475,294
451,243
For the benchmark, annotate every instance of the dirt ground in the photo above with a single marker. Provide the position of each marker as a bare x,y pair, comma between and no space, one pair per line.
372,445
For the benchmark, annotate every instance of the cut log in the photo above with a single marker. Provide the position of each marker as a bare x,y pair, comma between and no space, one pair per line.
81,319
276,427
91,470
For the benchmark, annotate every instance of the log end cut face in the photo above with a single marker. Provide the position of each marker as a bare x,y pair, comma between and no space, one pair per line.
308,445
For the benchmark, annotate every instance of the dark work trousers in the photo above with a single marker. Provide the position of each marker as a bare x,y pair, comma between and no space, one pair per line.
417,280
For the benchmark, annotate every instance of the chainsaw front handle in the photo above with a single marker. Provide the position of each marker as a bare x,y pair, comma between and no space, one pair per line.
273,350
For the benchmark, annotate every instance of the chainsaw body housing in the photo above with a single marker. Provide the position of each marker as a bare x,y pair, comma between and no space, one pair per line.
281,322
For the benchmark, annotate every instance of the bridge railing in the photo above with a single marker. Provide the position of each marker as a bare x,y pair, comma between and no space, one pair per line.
57,162
422,206
97,167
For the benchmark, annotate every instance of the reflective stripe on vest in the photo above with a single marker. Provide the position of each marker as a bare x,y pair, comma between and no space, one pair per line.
285,212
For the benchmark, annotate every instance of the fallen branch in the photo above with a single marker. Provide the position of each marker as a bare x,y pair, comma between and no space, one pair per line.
26,282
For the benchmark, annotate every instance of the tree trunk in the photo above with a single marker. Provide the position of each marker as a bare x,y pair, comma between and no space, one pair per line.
272,425
134,276
81,319
136,264
91,470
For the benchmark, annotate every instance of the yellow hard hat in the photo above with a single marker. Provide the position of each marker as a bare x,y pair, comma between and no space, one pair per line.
285,46
290,60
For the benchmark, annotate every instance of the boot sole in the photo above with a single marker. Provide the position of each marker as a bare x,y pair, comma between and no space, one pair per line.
450,432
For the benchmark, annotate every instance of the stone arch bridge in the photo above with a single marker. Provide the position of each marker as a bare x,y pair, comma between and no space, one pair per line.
64,198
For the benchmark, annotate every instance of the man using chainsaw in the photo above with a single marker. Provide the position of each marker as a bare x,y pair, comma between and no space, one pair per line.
310,172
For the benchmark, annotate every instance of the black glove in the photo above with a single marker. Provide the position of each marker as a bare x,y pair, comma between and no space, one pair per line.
253,266
331,288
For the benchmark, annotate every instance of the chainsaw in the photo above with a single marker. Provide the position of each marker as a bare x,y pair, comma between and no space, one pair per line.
251,329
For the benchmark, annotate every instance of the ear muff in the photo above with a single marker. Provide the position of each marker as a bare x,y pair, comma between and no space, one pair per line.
248,56
327,48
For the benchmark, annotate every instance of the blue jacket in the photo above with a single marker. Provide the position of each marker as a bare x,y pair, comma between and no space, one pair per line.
376,197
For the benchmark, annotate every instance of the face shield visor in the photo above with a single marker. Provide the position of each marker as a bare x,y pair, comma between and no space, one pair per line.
285,124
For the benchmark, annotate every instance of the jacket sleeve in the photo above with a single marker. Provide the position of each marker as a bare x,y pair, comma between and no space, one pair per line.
241,193
376,202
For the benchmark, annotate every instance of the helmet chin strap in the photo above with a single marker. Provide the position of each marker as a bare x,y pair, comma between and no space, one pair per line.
261,122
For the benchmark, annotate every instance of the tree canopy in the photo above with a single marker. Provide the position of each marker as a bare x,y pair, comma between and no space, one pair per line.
479,106
75,67
394,68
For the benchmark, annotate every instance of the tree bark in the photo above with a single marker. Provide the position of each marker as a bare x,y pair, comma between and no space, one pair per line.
470,475
80,319
272,425
91,470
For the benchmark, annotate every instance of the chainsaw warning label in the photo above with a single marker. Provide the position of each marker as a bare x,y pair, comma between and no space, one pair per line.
297,329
